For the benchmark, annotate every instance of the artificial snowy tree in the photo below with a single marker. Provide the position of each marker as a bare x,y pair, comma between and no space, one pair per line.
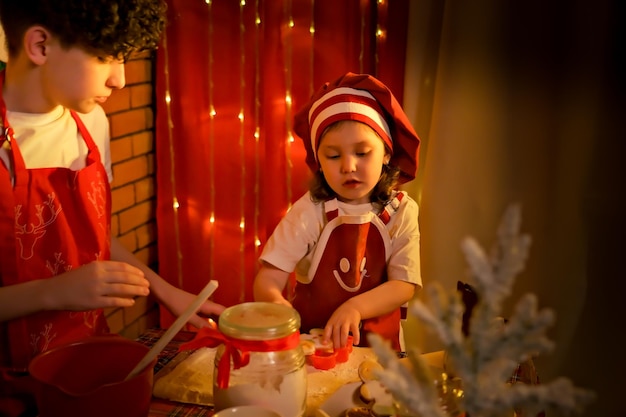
485,359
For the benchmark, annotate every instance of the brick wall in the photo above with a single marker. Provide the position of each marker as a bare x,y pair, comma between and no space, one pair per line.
131,116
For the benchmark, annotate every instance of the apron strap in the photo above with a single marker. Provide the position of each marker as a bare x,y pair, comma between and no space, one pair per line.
331,208
390,208
94,154
7,205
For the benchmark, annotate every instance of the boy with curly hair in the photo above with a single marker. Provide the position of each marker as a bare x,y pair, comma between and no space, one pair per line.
59,264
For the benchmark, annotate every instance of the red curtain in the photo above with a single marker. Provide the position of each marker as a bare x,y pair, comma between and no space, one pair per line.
229,77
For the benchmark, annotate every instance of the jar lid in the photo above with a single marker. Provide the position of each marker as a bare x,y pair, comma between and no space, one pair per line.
259,320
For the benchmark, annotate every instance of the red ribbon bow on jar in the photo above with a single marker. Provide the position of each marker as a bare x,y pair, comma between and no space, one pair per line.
237,350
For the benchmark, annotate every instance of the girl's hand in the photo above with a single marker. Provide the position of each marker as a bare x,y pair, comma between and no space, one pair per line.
269,284
343,322
98,284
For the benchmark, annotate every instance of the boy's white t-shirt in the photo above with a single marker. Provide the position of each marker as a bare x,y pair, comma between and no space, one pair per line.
50,140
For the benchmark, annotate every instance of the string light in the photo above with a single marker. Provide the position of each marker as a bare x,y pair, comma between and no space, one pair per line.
212,114
379,24
257,131
242,90
288,82
312,53
362,50
170,138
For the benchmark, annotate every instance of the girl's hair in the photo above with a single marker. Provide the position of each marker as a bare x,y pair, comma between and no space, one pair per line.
382,192
101,27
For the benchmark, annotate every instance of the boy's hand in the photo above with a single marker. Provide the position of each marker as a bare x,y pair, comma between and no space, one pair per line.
98,284
178,300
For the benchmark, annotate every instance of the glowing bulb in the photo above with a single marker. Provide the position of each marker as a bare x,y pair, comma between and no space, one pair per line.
242,224
207,1
288,98
290,138
291,23
240,116
176,205
257,242
312,30
380,32
212,112
168,98
242,3
257,133
258,20
212,219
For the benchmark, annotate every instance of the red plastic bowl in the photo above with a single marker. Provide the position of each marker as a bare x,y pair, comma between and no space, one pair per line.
86,378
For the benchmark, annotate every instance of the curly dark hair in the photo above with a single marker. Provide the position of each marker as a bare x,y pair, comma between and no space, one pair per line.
102,27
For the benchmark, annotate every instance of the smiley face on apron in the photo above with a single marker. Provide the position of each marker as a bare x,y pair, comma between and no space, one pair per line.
354,251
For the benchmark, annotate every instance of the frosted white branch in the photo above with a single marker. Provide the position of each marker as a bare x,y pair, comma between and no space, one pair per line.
487,358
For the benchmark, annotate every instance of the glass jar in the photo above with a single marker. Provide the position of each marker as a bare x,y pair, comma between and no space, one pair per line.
261,361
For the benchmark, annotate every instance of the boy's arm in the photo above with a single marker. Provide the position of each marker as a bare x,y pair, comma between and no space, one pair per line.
94,285
173,298
21,299
269,284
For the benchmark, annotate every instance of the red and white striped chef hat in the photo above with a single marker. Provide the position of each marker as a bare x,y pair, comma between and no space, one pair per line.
362,98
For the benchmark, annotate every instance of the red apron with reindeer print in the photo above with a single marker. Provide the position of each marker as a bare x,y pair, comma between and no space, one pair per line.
350,258
51,221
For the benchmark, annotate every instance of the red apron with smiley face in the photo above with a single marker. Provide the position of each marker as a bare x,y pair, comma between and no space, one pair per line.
51,221
350,258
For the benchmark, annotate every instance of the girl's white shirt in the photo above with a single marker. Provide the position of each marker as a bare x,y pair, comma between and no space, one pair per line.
52,140
291,245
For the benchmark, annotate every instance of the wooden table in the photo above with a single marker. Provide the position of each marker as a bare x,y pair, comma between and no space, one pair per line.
160,407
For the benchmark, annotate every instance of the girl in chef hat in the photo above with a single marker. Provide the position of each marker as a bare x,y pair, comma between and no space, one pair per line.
353,238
